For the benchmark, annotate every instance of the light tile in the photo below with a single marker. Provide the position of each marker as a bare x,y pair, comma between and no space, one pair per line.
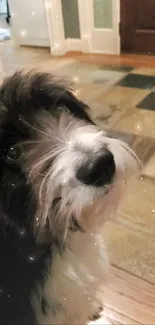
89,92
106,76
137,121
131,250
111,105
138,96
106,115
78,72
118,96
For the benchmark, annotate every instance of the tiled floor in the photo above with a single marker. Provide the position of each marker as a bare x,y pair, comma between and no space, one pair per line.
122,101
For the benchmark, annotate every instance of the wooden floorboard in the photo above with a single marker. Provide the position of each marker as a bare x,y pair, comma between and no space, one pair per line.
129,299
133,60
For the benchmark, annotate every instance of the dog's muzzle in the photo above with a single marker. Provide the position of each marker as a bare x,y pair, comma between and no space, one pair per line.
97,171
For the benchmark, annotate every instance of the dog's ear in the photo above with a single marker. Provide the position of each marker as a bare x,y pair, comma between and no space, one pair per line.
23,94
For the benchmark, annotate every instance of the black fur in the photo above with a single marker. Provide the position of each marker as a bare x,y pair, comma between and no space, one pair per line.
22,260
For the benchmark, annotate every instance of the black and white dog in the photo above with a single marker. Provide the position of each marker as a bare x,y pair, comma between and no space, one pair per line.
60,179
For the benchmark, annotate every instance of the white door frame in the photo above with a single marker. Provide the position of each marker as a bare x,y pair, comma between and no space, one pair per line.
59,45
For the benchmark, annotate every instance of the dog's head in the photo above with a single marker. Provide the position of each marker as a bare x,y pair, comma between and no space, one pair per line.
58,171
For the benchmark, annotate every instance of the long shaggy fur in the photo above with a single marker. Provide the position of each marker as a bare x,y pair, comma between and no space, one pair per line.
50,222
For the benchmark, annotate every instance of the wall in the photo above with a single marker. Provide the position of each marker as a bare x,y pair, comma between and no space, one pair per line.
29,22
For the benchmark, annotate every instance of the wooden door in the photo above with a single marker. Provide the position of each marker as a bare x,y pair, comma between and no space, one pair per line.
137,26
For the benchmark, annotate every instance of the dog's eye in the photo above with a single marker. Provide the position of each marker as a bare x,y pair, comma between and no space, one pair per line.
61,109
14,153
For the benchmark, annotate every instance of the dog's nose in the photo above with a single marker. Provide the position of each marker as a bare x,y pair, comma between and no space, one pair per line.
97,171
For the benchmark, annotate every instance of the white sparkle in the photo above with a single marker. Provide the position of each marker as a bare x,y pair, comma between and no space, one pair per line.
57,45
23,32
47,5
153,211
75,78
33,13
22,233
31,258
86,36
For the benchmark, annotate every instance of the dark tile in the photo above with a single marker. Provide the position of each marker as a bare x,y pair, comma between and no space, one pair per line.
114,67
138,81
143,146
148,102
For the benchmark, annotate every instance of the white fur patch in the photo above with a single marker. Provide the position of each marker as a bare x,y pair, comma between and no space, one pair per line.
75,281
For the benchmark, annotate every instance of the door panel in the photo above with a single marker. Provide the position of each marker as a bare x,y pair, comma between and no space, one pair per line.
127,26
138,26
145,14
71,19
103,13
104,25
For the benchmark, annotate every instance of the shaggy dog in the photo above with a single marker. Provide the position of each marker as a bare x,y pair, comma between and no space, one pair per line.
60,179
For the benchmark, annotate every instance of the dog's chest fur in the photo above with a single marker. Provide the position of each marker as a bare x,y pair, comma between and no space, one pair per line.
73,288
54,287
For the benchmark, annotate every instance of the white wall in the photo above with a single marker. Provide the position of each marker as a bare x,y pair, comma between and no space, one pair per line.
29,22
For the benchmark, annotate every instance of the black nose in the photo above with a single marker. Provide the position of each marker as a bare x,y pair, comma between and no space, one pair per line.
97,171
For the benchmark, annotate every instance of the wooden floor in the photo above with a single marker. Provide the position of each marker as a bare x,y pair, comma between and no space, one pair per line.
129,300
130,295
133,60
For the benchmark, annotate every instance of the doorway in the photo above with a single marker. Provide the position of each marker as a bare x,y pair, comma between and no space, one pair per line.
89,26
137,27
